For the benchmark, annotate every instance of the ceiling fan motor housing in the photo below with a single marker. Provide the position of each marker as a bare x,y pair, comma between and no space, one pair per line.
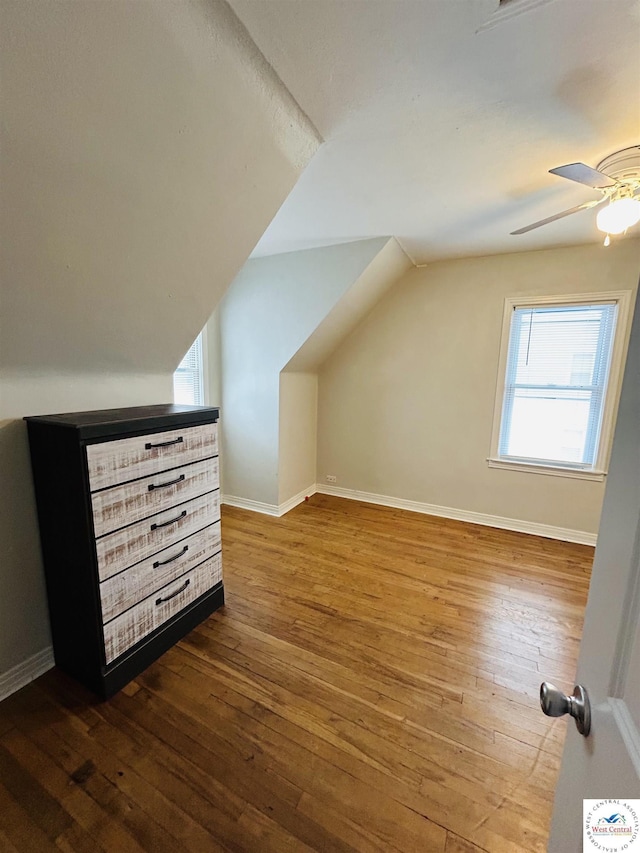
623,165
623,210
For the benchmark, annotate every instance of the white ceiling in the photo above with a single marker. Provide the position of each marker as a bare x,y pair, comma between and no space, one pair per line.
442,117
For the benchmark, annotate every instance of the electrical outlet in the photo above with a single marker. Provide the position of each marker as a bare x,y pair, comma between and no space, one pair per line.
331,478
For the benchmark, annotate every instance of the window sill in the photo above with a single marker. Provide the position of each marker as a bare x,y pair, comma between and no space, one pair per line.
552,470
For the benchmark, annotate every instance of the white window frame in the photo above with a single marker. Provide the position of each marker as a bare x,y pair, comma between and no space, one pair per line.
612,392
204,365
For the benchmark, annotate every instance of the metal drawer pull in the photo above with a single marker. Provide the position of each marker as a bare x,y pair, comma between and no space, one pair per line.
173,594
171,559
149,446
168,483
171,521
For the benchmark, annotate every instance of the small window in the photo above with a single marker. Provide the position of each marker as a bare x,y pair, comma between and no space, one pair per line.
189,378
554,406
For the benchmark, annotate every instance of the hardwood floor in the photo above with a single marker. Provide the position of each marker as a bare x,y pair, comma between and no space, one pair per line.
370,685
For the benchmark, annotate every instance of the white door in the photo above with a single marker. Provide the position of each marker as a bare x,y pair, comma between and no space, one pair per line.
606,765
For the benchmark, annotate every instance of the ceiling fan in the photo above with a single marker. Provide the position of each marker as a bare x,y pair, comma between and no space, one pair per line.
617,177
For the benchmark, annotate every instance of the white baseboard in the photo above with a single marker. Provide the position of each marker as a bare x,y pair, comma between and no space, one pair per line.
297,499
276,510
25,672
245,503
581,537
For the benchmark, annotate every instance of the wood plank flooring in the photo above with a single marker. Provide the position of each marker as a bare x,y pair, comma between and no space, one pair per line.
370,685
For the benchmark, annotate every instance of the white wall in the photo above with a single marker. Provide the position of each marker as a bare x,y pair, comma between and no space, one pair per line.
146,146
405,404
270,310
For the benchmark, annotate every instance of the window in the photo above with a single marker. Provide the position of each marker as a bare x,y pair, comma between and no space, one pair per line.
189,385
560,370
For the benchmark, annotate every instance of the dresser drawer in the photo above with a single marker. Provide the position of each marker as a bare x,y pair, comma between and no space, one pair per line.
134,624
114,508
117,551
127,588
110,542
127,459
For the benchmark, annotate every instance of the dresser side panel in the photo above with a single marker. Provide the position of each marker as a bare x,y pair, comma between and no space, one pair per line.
66,535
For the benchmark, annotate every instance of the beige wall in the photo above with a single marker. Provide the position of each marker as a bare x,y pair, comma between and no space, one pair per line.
271,309
24,619
213,355
145,147
297,435
405,405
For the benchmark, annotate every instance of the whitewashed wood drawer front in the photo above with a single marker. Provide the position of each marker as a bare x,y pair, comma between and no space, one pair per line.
127,588
127,459
134,624
128,503
121,505
117,551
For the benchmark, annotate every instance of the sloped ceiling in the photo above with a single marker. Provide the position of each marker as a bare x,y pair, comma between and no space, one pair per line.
145,148
271,310
384,270
443,117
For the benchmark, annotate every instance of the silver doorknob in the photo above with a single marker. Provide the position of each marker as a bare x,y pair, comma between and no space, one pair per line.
554,703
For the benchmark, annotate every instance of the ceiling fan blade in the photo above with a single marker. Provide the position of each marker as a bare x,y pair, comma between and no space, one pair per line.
584,174
559,216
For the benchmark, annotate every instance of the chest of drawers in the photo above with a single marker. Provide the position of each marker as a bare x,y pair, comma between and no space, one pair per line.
129,514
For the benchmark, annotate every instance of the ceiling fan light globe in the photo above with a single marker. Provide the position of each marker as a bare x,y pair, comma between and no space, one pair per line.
618,216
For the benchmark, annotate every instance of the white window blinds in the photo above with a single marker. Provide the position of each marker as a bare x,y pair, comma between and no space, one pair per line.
188,380
557,370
